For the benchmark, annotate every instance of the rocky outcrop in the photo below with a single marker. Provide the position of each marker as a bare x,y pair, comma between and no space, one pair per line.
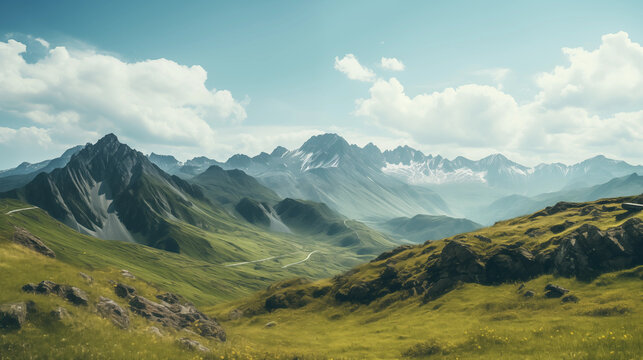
555,291
124,291
509,264
25,238
588,251
72,294
177,315
192,345
13,316
109,309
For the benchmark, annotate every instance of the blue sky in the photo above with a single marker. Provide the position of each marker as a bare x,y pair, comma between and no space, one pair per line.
277,62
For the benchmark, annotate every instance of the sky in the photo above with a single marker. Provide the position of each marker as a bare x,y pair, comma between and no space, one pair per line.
541,81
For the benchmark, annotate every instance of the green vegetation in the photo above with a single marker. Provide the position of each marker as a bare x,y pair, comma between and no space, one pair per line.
471,320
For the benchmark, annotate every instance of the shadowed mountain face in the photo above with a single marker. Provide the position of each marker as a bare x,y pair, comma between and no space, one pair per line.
113,192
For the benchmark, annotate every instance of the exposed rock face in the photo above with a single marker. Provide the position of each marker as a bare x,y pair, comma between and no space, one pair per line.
12,316
25,238
124,291
554,291
587,251
70,293
109,309
192,345
584,252
59,313
511,264
177,315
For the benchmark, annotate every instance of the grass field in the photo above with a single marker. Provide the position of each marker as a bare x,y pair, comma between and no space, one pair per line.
471,322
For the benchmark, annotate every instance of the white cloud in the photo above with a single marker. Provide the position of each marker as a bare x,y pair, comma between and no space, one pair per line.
392,64
42,42
475,114
86,93
592,106
609,78
353,69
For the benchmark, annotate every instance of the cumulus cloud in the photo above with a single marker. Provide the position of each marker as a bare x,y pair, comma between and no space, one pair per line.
608,78
85,92
594,105
475,114
392,64
350,66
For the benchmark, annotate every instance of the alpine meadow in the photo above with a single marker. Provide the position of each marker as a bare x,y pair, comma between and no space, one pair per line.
321,180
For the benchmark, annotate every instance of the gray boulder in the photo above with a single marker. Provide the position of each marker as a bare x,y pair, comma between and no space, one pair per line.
124,291
109,309
25,238
554,291
59,313
13,316
192,345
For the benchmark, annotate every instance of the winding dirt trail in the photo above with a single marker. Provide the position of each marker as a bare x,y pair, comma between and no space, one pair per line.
23,209
301,261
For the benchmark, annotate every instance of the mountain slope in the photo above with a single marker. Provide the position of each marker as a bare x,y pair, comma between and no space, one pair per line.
421,228
458,297
113,192
517,205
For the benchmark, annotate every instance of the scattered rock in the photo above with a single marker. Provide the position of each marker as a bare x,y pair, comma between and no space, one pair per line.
529,294
12,316
554,291
558,228
127,274
109,309
192,345
25,238
45,287
483,238
70,293
73,294
59,313
124,291
570,298
30,288
87,278
235,314
177,316
521,286
155,331
169,298
270,324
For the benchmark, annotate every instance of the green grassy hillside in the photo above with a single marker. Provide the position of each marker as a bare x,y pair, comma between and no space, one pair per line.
371,312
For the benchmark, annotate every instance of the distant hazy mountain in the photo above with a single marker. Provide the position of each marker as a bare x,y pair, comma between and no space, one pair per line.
517,205
366,183
25,172
346,177
188,169
421,228
499,172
